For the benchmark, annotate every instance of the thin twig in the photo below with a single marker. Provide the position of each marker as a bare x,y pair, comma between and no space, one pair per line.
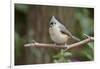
44,45
89,39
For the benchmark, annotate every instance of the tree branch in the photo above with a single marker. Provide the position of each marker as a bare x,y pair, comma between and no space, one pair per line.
44,45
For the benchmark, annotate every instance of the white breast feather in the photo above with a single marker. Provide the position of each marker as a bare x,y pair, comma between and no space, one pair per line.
57,36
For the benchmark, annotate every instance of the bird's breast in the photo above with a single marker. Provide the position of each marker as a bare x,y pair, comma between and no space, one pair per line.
57,36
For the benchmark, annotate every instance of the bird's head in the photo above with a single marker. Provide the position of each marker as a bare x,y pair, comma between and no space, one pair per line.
53,22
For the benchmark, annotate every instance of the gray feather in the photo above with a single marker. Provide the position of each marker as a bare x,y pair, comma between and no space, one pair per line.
64,30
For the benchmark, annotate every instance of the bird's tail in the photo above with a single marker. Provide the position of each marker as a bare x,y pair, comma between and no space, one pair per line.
75,38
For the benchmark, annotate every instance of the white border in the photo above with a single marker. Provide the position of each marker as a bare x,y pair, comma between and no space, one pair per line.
74,65
58,65
5,34
75,3
51,66
12,35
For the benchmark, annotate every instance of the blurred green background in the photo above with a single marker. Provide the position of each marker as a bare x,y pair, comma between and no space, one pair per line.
32,22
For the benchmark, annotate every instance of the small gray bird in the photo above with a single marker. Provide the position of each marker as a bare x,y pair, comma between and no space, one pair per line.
58,33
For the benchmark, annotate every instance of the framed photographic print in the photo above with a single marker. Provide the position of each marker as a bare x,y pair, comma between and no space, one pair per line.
51,34
45,33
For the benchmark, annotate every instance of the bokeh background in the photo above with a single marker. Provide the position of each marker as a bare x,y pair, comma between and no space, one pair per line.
32,23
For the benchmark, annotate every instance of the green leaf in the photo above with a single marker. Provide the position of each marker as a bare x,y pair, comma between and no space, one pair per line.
67,54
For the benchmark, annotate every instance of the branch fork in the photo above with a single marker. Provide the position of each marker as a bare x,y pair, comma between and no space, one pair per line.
45,45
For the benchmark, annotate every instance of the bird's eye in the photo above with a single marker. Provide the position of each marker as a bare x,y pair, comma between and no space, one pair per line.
51,23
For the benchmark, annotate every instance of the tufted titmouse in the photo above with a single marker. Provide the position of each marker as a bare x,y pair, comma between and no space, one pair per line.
58,33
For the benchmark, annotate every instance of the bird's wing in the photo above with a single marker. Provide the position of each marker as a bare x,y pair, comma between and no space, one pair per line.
64,30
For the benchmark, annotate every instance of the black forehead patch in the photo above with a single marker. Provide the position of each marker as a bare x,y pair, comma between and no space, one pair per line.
51,23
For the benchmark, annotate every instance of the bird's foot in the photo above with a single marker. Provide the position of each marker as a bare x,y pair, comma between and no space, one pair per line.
55,44
65,45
